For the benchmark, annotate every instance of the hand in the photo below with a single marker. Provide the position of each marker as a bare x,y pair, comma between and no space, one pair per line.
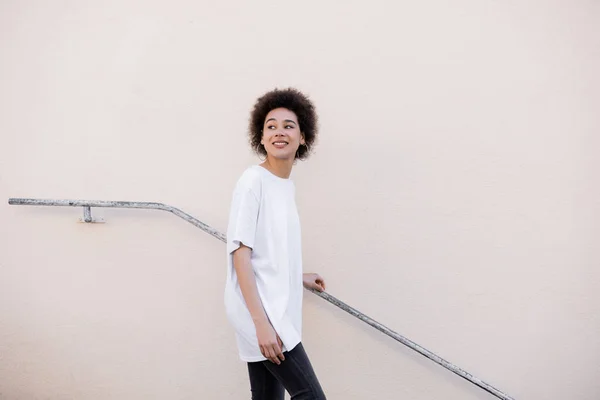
269,342
313,281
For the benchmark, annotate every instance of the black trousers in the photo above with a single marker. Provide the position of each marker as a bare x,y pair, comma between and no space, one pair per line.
268,381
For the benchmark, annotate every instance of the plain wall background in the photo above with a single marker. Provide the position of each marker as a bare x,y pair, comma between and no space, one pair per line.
453,195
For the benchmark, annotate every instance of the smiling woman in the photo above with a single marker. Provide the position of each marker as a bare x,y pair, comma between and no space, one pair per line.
282,137
263,292
301,112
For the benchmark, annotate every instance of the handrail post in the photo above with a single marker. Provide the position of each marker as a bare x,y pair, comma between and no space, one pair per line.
87,214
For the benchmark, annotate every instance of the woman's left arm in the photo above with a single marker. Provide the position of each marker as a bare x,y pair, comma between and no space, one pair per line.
313,281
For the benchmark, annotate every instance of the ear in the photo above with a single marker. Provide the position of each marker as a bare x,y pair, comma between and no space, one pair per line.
302,140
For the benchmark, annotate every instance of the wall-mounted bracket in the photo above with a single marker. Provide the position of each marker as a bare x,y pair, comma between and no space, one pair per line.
87,216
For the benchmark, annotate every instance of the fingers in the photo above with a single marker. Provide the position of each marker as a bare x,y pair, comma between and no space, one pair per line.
273,352
319,282
270,354
273,355
276,354
280,348
279,357
313,281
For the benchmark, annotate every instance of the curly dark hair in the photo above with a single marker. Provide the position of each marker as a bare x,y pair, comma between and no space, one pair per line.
293,100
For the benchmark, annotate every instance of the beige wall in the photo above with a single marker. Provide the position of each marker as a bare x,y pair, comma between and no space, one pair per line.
453,195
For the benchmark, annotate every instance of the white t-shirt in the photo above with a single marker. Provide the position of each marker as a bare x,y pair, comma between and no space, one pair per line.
264,217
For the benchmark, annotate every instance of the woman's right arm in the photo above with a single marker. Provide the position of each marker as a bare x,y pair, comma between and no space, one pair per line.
268,341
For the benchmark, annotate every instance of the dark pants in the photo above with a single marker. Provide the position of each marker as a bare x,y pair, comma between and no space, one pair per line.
268,381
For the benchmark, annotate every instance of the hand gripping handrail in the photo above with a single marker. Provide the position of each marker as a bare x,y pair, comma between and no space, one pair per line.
326,296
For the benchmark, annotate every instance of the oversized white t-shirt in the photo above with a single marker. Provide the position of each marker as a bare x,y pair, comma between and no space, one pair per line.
264,217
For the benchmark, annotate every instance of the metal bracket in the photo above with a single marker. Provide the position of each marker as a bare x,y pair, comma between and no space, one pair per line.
87,216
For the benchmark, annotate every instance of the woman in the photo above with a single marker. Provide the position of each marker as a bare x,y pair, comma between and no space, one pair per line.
263,293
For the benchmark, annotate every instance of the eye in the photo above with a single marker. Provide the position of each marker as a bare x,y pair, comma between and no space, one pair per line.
270,126
289,126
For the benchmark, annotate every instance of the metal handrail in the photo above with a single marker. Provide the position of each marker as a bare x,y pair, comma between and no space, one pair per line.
326,296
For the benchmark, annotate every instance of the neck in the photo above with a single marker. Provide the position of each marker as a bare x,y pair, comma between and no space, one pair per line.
279,167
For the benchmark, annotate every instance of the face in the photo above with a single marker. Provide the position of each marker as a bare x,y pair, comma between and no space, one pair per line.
281,134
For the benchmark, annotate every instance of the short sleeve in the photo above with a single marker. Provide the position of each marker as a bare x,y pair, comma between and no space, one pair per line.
243,216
